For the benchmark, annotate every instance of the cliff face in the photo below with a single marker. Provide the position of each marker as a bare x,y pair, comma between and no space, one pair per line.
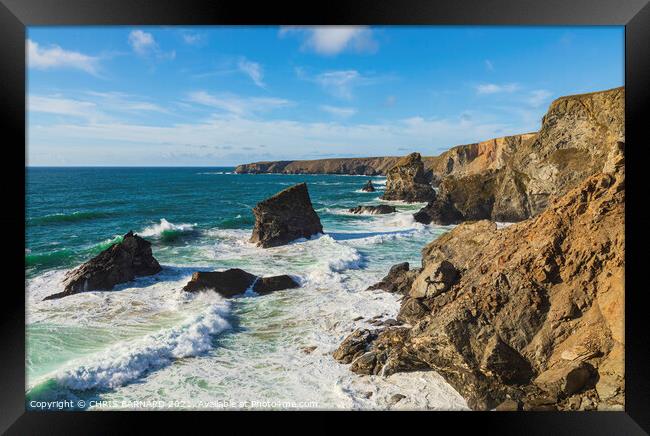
406,181
369,166
517,182
532,313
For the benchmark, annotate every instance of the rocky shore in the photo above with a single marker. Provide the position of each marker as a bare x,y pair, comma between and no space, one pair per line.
526,317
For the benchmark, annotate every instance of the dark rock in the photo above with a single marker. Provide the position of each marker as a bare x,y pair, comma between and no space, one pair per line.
284,217
354,345
264,285
373,210
412,310
119,263
368,187
407,181
565,380
226,283
399,279
309,350
236,281
396,399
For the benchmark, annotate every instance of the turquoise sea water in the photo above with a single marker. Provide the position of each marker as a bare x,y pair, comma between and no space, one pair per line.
146,344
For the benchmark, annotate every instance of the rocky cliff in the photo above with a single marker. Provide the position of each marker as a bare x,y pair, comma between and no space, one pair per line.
529,316
369,166
406,181
516,181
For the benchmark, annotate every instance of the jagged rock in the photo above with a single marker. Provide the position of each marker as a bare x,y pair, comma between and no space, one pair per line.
264,285
353,346
394,399
434,279
284,217
373,210
406,181
399,279
508,405
535,313
574,142
120,263
368,187
235,281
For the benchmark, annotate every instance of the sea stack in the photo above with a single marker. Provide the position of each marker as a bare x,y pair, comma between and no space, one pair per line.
407,181
119,263
368,187
284,217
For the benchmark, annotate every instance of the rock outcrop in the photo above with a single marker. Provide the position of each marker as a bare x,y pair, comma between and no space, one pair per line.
368,187
120,263
530,316
368,166
576,134
407,181
382,209
399,279
236,281
284,217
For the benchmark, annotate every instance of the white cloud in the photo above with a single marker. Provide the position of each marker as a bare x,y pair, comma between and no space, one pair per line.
192,38
252,70
489,65
55,57
332,40
236,105
61,106
342,112
144,44
492,88
538,97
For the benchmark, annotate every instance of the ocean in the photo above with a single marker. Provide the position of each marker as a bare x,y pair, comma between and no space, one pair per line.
148,345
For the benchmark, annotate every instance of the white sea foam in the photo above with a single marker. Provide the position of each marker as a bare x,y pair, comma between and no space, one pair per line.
165,227
127,361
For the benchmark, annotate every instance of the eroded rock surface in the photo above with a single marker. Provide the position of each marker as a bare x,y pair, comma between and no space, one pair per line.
368,187
236,281
285,217
529,316
119,263
407,181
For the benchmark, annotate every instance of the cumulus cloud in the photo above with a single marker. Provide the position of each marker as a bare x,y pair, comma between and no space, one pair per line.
342,112
493,88
332,40
236,105
252,70
53,56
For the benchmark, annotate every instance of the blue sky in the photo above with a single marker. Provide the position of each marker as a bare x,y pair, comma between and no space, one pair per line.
220,96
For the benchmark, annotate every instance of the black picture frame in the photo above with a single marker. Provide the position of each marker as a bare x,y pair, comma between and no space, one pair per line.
15,15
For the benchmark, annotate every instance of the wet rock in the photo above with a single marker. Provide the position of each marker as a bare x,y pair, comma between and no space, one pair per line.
236,281
309,350
354,345
285,217
399,279
382,209
368,187
407,181
120,263
265,285
227,283
394,399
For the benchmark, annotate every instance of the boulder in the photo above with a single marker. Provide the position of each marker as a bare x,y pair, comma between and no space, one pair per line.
284,217
227,283
236,281
407,181
354,346
265,285
382,209
119,263
368,187
435,278
399,279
